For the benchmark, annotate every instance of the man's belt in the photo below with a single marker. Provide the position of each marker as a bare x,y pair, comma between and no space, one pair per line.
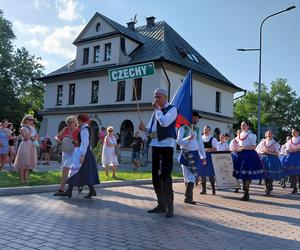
153,135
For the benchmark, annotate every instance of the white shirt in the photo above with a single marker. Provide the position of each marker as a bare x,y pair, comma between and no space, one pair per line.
234,145
266,146
214,142
246,139
222,146
164,121
190,145
293,143
85,139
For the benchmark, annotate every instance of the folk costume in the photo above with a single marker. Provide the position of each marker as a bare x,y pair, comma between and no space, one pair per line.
268,150
87,172
208,170
248,165
161,128
291,162
192,152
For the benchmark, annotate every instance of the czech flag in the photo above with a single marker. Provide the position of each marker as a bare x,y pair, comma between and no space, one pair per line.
183,101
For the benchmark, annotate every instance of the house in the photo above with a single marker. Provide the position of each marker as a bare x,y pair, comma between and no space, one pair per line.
83,84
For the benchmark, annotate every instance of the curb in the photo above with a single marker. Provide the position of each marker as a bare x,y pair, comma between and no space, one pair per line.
53,188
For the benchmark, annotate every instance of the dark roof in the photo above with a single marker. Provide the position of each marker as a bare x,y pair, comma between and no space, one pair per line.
120,28
160,43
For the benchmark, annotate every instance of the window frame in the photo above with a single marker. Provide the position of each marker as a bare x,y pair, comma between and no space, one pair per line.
85,57
107,56
138,84
71,100
59,95
218,102
121,91
95,55
96,82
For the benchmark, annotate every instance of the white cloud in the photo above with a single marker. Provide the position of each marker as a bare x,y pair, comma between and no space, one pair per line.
41,4
51,40
59,41
69,10
30,29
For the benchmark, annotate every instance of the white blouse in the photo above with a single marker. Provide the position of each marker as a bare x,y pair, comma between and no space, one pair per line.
246,139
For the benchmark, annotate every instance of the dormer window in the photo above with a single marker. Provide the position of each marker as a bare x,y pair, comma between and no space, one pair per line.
192,57
98,27
107,49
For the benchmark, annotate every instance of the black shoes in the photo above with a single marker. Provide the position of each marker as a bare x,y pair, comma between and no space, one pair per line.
246,197
157,210
91,194
58,192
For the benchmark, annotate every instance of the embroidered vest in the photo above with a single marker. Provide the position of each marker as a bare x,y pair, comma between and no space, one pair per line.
208,144
166,132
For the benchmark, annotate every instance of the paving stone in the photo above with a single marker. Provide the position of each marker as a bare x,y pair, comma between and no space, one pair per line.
117,219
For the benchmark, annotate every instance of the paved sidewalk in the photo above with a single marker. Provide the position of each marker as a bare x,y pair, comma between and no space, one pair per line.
117,219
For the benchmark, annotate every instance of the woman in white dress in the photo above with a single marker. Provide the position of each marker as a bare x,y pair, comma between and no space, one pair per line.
26,158
109,156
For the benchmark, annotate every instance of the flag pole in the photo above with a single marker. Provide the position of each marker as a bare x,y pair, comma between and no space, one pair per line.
136,101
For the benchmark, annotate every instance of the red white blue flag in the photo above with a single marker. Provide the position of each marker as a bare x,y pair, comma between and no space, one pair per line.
183,101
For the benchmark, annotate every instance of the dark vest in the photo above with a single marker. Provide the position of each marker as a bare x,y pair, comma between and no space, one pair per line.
166,132
208,144
79,137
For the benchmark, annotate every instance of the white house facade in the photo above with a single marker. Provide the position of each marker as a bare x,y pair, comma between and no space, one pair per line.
83,85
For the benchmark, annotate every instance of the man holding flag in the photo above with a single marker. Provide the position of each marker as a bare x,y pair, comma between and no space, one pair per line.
161,129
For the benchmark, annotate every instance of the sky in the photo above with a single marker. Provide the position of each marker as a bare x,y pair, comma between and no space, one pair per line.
215,28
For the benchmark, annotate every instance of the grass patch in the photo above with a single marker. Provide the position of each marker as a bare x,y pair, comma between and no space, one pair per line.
11,179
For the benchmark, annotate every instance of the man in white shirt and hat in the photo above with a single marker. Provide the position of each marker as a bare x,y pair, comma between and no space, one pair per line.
161,129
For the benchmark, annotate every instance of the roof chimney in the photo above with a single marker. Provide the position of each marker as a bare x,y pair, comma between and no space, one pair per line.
150,21
130,25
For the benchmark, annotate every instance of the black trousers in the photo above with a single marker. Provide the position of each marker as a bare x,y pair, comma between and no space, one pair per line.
162,165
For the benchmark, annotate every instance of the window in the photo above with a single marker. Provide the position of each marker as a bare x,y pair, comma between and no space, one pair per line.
121,91
218,102
85,56
59,97
123,48
138,87
107,55
95,88
98,27
96,54
71,94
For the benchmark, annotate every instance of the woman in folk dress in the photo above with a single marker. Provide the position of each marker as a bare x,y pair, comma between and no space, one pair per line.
268,149
248,164
292,161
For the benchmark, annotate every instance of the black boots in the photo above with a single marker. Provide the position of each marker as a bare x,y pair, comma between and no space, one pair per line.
189,193
269,186
68,192
246,187
165,199
212,183
161,204
169,196
91,193
203,184
294,184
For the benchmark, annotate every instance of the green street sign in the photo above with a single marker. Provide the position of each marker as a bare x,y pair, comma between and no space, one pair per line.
131,72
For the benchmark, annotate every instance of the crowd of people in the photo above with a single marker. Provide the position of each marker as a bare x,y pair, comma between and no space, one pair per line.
251,161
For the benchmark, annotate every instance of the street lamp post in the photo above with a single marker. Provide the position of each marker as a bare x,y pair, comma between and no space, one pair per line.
259,68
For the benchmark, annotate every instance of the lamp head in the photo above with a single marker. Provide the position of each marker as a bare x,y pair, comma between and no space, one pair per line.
290,8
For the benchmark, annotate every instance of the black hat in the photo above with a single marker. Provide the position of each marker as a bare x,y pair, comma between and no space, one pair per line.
195,113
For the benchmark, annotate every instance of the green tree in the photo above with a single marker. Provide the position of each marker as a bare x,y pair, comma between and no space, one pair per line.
280,108
18,95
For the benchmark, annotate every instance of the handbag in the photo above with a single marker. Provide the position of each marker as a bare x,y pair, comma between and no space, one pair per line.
67,145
